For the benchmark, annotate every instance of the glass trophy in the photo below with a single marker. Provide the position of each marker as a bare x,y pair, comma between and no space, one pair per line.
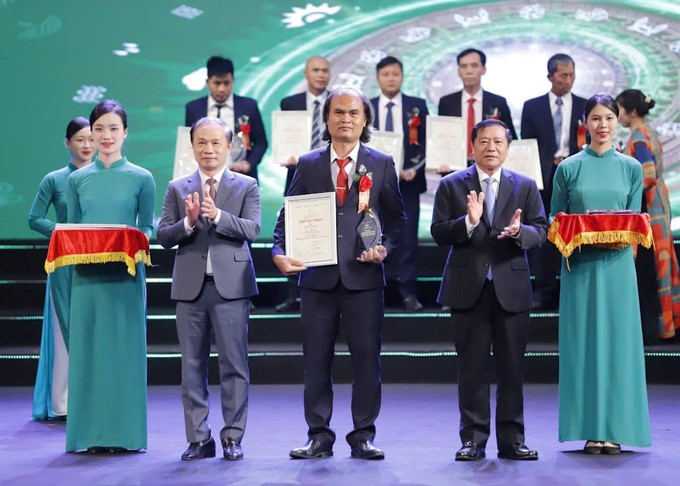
238,150
369,231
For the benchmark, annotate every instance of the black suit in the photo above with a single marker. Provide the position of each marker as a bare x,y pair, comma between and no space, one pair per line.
484,312
450,105
198,108
349,294
537,122
410,190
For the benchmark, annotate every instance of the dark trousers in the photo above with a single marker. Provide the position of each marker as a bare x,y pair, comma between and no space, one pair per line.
360,315
476,330
407,251
545,263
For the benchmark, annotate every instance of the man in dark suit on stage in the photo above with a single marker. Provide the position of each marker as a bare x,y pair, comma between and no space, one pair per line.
241,114
212,215
348,295
473,103
486,283
397,112
553,120
317,74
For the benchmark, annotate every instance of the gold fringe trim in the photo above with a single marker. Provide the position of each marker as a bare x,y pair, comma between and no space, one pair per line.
604,239
106,257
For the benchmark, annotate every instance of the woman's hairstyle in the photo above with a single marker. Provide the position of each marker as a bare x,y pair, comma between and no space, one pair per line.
108,106
635,100
75,125
600,99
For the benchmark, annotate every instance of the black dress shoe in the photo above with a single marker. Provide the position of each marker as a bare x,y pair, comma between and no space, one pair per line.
288,305
412,304
518,452
471,451
313,449
199,450
593,447
96,450
611,448
366,450
232,450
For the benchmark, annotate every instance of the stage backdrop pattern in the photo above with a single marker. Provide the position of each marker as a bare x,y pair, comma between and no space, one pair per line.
60,58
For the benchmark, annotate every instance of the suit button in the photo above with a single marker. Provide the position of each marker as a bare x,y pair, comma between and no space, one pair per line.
341,213
486,264
339,236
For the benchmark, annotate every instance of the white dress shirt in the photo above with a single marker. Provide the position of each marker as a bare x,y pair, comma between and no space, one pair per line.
477,105
226,113
349,168
563,143
482,177
397,112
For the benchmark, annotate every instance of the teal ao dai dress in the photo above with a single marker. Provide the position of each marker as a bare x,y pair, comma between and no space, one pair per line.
50,394
107,379
602,387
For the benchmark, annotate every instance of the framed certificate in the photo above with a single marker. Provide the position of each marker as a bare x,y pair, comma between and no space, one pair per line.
390,143
185,163
291,134
311,234
446,142
523,158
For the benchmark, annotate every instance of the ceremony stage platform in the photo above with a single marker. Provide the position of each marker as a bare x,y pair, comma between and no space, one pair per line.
417,429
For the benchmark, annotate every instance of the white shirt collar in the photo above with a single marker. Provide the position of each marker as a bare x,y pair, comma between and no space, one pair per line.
384,100
483,175
311,99
477,96
229,103
217,177
353,154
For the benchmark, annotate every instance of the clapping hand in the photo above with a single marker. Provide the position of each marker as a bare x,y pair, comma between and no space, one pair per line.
475,207
512,229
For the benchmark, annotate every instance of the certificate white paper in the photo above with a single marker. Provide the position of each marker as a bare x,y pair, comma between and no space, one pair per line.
310,229
291,134
390,143
446,142
523,158
185,163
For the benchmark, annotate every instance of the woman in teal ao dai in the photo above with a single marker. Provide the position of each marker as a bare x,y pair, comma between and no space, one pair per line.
51,383
602,387
107,379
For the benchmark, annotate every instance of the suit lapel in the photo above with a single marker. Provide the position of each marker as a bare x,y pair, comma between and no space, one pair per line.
225,188
406,107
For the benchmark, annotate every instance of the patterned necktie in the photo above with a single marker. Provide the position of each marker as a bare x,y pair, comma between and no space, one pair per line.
316,125
389,120
211,190
557,123
341,187
219,107
470,126
490,203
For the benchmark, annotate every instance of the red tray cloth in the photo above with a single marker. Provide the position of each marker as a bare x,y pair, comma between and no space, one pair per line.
74,246
569,231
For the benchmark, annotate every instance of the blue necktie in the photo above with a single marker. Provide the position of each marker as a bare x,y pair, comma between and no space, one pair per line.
490,203
557,123
389,121
316,125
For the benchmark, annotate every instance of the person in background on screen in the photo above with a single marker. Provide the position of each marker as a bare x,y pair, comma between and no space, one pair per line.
400,113
602,387
318,75
553,119
645,146
107,342
51,384
250,142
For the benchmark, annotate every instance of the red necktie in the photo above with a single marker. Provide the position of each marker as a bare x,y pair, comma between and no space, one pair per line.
341,188
470,126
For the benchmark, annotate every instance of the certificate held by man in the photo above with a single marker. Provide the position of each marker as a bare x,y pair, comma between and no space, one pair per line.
291,134
310,229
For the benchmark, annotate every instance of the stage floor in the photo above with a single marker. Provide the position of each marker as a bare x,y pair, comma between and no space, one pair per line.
417,429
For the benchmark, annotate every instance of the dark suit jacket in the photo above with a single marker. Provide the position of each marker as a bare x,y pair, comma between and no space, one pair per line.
537,122
468,260
197,109
296,102
450,105
413,154
313,175
239,199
